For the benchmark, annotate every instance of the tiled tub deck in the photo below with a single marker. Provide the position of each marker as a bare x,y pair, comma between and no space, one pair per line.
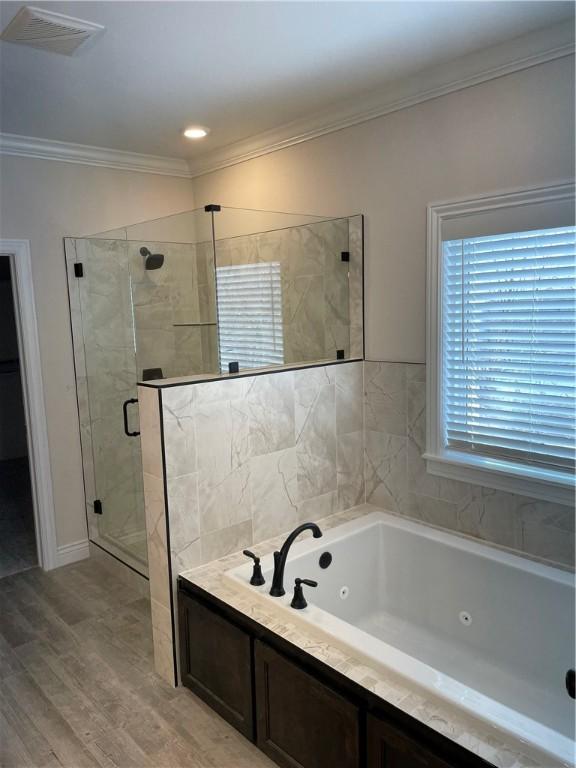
472,733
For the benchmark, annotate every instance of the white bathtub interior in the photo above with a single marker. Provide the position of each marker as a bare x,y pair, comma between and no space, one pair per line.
489,631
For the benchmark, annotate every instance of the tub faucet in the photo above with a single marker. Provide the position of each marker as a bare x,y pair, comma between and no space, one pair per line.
277,589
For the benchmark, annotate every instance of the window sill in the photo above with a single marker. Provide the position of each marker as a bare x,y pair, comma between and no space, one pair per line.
533,482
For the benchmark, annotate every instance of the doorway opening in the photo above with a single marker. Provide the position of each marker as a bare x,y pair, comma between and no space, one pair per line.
18,548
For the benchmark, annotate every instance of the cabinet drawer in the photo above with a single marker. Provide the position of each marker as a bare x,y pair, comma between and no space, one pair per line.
216,663
390,748
302,723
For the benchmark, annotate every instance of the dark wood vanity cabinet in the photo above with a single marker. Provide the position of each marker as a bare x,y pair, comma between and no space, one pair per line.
216,663
390,748
298,711
300,722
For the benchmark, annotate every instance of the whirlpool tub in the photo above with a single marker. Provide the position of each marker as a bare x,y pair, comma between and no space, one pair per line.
488,631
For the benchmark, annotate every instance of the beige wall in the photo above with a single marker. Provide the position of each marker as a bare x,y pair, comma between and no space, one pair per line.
43,201
510,132
513,131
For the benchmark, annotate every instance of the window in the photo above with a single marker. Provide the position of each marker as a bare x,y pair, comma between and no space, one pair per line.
504,398
250,315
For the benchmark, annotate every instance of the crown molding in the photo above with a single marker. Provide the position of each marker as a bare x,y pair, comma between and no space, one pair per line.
488,64
83,154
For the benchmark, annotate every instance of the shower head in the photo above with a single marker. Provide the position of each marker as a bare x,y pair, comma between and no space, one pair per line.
151,260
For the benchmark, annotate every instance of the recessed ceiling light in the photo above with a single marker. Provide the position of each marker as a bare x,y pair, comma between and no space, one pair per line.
196,132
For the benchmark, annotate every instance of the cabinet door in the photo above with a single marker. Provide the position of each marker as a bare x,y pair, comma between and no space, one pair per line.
302,723
390,748
216,662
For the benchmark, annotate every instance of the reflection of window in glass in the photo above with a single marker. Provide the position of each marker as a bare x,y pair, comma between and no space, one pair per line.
507,371
250,315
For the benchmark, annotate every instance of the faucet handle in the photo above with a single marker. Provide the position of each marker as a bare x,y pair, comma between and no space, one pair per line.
257,579
308,582
298,600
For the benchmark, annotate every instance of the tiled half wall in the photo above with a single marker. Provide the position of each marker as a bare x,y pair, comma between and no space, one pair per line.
230,463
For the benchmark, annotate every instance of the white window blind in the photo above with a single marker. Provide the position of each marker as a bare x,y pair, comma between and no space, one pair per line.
508,346
250,315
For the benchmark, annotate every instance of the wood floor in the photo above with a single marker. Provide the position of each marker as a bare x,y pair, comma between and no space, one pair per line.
77,686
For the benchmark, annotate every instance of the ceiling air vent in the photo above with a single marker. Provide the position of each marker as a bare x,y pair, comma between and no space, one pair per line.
49,31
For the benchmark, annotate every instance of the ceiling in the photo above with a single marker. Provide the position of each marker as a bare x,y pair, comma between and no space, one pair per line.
240,68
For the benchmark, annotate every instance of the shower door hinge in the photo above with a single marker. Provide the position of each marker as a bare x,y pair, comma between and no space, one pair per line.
97,507
212,208
78,269
345,255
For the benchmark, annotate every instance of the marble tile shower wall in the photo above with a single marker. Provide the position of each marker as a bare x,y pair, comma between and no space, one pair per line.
249,458
321,294
175,309
117,303
396,477
101,317
356,285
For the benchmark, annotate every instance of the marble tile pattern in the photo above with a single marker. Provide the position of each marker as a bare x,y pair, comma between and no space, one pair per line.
173,307
115,306
101,314
321,294
396,476
472,734
169,315
356,283
159,564
244,459
251,457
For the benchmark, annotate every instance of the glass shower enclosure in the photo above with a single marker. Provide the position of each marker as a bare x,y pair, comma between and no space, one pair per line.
188,295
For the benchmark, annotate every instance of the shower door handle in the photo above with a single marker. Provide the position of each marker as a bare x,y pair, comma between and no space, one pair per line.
125,411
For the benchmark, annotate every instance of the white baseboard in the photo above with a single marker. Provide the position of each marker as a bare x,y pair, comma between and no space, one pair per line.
72,553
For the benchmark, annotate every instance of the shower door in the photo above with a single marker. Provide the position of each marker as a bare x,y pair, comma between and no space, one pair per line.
143,306
103,328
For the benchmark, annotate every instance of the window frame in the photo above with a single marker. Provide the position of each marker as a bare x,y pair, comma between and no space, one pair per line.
515,477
